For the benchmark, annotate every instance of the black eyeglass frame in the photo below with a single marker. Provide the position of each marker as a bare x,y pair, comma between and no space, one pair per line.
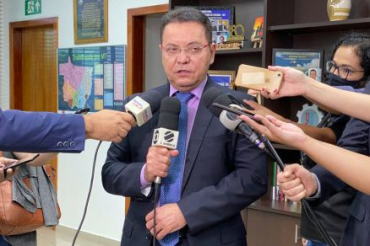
329,65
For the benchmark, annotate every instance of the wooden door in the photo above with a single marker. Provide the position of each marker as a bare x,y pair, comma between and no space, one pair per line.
136,50
33,71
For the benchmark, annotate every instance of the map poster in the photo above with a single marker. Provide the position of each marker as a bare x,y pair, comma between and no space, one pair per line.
91,77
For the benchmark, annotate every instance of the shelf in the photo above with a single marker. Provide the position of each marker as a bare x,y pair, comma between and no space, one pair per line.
279,207
240,51
325,26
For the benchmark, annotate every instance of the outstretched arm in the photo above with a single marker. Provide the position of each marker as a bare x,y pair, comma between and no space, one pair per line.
323,134
352,168
295,83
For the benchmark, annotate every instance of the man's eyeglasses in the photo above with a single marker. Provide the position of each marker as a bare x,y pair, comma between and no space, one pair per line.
343,71
191,50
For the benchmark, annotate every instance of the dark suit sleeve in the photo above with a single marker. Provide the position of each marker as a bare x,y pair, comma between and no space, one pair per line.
233,193
245,183
120,173
41,132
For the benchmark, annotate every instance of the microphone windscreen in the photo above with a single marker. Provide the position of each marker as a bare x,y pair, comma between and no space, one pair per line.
215,95
210,95
169,113
153,98
239,101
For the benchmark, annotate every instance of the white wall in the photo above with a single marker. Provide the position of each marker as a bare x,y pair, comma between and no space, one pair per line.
154,72
106,212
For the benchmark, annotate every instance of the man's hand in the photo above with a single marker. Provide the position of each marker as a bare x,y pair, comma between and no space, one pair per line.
297,182
158,162
9,174
169,218
108,125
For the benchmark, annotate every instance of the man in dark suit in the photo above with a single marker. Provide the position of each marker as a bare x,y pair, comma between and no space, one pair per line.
50,132
222,172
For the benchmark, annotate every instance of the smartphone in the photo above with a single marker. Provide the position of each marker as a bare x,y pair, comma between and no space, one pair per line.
83,111
20,162
232,110
257,78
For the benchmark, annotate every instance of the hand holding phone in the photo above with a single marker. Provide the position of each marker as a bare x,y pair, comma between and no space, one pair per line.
20,162
257,78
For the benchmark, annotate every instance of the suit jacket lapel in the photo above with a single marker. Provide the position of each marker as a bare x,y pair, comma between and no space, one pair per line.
201,123
164,89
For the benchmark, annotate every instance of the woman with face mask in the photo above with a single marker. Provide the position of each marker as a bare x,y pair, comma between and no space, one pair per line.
348,68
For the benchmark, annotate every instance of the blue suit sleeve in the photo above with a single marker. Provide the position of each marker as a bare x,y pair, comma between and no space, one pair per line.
41,132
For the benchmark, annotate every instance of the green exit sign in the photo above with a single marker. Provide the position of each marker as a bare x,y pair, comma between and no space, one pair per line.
32,7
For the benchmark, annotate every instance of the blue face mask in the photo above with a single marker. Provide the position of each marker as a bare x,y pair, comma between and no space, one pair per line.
334,80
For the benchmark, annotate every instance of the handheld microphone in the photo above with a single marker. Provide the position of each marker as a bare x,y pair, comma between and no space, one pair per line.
166,134
141,107
230,119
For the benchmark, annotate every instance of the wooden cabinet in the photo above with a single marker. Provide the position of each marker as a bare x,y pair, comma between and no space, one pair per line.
271,222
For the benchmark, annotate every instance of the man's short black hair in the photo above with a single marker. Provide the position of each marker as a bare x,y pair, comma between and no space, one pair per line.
187,14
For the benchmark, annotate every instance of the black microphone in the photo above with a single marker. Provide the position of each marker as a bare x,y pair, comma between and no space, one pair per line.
230,120
142,107
166,134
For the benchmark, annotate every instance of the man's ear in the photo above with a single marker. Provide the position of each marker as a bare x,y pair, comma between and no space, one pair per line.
213,52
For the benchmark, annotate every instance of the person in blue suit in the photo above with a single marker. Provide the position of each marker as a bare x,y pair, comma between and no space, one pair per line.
50,132
221,173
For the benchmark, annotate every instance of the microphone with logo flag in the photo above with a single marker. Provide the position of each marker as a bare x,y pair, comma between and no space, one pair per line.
166,134
142,107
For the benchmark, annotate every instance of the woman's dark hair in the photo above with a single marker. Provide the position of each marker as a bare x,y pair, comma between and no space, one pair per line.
361,44
187,14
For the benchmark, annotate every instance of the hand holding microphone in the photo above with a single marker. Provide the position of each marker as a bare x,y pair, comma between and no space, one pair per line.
112,125
228,108
164,142
108,125
157,163
141,107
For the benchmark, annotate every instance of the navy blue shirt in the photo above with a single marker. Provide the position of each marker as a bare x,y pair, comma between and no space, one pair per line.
356,138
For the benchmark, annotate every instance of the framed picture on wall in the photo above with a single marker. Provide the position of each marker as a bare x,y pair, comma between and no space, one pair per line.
224,78
90,21
309,61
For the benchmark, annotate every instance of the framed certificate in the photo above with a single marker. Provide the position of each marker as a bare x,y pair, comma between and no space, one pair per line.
224,78
90,21
309,61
